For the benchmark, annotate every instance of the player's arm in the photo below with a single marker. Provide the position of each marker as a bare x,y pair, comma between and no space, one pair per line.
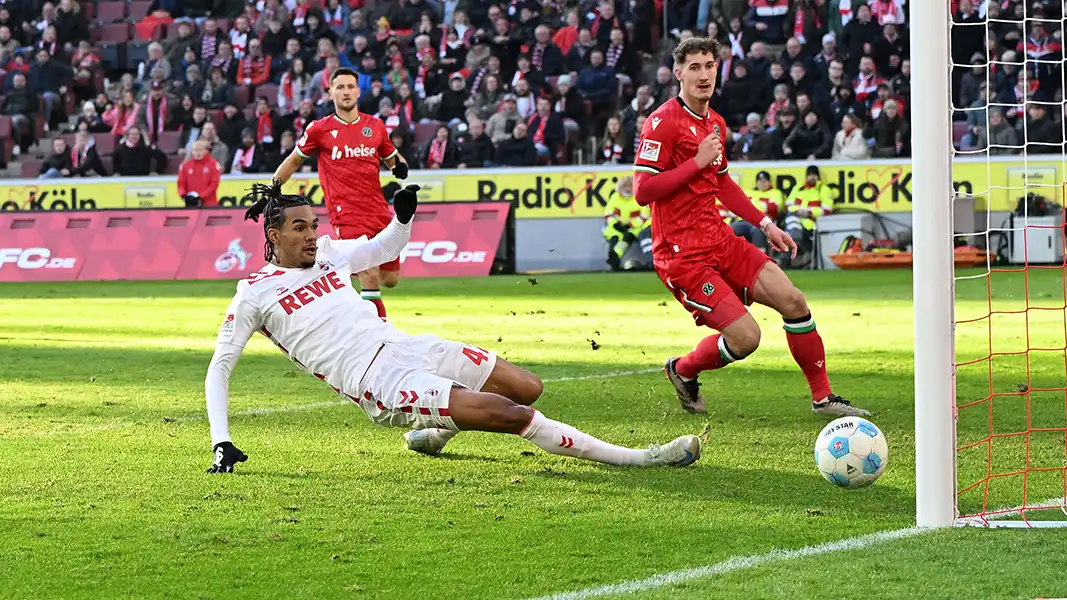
737,201
308,145
289,166
391,156
652,179
242,320
363,254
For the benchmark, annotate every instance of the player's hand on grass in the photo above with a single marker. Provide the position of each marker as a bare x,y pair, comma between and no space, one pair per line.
405,202
226,456
709,151
400,169
780,240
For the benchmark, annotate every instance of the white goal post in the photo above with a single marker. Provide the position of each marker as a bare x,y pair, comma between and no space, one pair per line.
945,437
935,394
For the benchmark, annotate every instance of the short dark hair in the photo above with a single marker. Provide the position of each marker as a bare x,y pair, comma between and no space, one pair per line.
696,45
338,72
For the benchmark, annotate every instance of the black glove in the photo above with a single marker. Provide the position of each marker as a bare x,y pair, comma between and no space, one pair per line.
405,202
620,227
226,456
400,169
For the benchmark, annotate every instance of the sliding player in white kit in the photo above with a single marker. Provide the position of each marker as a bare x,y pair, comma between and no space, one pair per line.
304,302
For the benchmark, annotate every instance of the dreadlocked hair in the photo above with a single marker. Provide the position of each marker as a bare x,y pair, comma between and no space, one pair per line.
270,202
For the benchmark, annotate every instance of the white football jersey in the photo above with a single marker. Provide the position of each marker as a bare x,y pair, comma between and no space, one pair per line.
315,315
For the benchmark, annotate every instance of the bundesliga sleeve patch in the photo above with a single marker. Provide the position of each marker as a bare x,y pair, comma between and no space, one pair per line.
649,150
227,325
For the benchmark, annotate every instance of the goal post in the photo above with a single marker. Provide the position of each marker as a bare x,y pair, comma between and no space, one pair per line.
932,235
990,341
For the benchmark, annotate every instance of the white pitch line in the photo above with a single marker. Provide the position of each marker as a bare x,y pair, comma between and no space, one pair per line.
739,563
736,563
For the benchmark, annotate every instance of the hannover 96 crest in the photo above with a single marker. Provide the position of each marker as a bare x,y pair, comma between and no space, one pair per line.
708,289
717,131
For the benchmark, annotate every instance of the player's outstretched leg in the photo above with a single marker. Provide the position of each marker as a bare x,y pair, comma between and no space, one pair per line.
514,383
735,341
774,289
370,286
483,411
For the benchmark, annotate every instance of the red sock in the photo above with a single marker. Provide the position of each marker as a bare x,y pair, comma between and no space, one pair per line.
711,353
375,296
806,345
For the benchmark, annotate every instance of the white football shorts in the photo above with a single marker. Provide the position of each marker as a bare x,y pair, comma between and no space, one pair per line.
409,383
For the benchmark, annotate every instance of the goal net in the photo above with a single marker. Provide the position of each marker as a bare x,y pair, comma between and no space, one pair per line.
1010,276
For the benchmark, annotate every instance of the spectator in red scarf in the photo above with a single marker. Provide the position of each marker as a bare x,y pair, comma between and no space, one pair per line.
250,156
546,129
266,123
155,114
254,68
84,159
301,118
408,106
615,149
430,77
440,152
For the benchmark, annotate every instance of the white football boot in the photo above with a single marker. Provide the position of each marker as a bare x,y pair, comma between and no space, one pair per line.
676,453
427,441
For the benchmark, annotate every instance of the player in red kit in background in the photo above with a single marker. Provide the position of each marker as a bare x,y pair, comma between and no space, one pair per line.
680,170
351,147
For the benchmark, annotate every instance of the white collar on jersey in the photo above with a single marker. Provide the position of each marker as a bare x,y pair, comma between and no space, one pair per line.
344,122
690,111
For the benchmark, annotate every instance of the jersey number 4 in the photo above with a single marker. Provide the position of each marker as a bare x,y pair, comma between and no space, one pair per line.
477,355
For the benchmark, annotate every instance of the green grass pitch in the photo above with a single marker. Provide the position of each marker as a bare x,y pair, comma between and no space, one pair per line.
103,446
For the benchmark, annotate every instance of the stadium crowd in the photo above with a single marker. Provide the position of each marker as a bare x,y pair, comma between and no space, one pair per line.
130,87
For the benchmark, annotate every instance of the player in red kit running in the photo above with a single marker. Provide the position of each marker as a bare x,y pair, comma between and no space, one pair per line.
351,147
680,170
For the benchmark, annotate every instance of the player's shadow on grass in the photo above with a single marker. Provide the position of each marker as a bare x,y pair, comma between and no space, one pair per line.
805,494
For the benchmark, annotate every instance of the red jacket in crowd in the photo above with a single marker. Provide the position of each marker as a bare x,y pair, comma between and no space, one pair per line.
200,177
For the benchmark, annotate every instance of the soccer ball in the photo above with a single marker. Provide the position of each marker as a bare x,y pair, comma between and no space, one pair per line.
851,452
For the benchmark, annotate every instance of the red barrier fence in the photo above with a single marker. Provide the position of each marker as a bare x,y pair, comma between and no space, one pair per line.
447,240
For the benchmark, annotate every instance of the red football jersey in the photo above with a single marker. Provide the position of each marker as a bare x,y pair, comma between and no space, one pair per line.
349,171
688,223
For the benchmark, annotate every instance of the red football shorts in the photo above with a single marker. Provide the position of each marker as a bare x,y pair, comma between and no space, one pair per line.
716,289
352,232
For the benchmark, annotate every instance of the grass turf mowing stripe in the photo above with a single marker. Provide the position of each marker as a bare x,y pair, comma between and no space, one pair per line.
257,412
739,563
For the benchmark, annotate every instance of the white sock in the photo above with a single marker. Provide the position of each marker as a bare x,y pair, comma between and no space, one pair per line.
559,438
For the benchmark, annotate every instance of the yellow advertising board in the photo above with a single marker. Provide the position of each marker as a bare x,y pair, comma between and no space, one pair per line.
879,186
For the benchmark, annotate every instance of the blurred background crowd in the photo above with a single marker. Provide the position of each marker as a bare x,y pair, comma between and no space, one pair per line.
128,88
